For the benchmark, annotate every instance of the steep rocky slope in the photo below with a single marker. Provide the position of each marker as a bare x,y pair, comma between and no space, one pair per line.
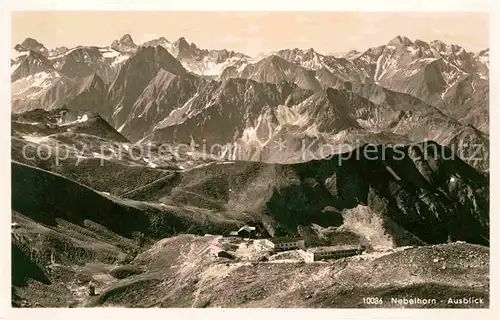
134,76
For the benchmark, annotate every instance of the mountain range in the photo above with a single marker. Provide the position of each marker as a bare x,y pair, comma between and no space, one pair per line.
162,86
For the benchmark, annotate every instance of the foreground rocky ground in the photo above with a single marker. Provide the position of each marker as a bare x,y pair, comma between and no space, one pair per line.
187,271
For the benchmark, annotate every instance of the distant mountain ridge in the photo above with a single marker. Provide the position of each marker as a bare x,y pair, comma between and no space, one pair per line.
132,163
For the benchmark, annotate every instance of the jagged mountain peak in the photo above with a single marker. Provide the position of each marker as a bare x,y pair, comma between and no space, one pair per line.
142,49
183,50
297,51
31,44
127,39
29,40
455,47
273,58
421,43
438,45
161,41
485,52
452,50
221,55
449,49
309,51
351,54
125,44
157,55
209,62
269,64
58,51
182,43
82,61
134,76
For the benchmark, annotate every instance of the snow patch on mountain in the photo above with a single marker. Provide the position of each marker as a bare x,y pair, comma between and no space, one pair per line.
210,67
15,54
291,115
150,163
52,58
412,50
109,53
32,85
79,119
485,60
35,139
179,115
120,59
14,67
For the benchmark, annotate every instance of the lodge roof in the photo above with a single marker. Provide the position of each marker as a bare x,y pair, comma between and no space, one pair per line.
244,228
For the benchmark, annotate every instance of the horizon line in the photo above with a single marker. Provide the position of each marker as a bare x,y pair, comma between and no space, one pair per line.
138,44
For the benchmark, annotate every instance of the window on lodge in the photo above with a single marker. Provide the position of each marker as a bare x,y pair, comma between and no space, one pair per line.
331,253
289,244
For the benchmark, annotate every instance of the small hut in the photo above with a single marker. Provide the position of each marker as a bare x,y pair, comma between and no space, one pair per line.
244,232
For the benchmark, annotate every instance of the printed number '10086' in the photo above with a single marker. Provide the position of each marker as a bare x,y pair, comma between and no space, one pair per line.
372,300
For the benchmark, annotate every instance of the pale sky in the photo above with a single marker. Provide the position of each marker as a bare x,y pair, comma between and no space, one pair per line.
252,32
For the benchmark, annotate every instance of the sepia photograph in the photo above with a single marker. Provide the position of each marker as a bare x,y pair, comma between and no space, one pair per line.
250,159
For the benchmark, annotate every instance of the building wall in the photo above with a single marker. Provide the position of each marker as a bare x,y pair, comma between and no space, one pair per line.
335,254
265,244
286,245
290,245
301,244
